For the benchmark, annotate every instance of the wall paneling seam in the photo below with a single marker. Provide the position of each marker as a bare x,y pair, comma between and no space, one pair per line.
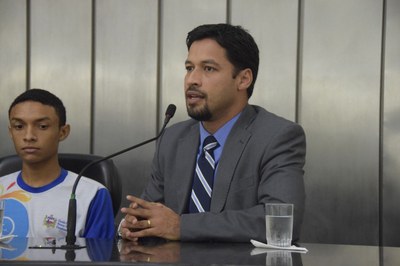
299,61
158,67
92,77
381,121
28,45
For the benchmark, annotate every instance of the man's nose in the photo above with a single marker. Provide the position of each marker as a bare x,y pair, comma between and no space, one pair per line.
193,77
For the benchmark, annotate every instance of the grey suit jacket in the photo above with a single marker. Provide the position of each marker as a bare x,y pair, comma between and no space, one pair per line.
262,161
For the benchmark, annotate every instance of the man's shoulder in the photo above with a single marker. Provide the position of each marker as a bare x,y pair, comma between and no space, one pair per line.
262,123
265,114
261,116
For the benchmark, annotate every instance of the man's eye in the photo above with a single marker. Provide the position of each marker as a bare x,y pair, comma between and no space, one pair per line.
18,126
209,69
189,68
43,126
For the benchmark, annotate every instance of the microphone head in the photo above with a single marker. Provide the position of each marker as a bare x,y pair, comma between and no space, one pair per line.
170,112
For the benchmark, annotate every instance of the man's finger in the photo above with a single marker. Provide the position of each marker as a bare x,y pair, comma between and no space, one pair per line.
130,220
129,211
141,202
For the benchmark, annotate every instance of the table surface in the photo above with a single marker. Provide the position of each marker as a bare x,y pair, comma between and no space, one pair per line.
31,251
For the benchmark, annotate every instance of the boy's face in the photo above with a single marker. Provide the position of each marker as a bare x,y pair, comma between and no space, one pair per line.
35,131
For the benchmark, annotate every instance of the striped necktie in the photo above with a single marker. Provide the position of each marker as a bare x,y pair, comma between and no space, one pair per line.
200,199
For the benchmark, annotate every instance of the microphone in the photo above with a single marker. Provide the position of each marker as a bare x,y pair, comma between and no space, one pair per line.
71,222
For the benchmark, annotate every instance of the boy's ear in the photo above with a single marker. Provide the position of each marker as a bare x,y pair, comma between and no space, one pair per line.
64,132
9,132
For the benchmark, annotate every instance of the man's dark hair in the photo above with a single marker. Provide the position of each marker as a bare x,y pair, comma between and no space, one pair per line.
241,49
43,97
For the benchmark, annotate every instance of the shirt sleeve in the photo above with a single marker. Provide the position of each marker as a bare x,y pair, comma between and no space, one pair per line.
100,218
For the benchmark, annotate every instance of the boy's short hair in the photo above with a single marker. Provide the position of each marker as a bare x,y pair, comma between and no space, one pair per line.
43,97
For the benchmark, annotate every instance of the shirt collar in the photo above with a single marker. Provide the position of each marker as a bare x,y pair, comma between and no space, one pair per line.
221,134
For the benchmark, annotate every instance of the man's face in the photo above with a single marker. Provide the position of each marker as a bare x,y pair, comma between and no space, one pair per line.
210,89
35,131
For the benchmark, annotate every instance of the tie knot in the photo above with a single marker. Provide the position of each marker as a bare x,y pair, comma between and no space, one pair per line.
210,143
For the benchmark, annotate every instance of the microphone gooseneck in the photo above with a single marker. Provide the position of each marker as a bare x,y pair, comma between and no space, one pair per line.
71,222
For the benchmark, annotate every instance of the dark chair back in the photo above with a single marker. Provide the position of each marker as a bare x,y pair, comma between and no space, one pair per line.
104,172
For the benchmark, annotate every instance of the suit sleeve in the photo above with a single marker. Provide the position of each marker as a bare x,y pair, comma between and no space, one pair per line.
154,190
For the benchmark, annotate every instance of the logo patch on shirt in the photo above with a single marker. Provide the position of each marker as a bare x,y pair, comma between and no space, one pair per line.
61,225
49,221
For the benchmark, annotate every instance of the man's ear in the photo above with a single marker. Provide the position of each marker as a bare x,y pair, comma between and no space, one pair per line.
245,78
64,132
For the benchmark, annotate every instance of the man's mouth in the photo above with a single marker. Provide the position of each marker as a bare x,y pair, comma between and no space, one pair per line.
193,97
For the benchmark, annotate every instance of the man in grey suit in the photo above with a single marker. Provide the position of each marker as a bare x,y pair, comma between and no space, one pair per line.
257,157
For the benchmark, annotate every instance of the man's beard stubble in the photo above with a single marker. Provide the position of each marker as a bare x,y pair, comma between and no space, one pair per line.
202,114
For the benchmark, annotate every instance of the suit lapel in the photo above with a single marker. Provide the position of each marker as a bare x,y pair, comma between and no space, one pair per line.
186,152
231,154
